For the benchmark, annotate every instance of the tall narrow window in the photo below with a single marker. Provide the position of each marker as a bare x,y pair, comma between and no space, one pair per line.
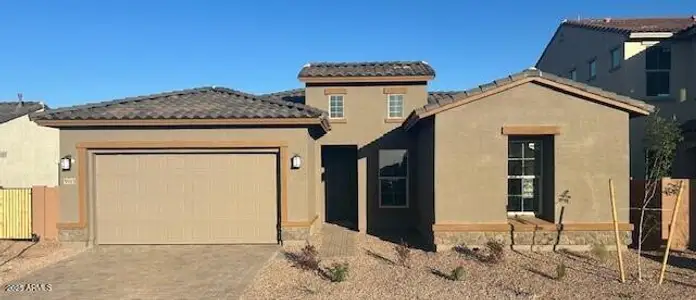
573,74
615,58
658,63
395,105
336,106
524,176
393,178
592,66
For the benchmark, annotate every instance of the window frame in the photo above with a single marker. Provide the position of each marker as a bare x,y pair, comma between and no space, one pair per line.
573,74
389,99
658,71
592,65
380,177
343,107
617,51
539,211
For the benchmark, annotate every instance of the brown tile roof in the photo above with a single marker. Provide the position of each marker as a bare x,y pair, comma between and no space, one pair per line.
635,24
529,73
442,96
12,110
366,69
198,103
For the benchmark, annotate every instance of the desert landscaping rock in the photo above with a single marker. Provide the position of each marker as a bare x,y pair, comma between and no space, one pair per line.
523,275
19,258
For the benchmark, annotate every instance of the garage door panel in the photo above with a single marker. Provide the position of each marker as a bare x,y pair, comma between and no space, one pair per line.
186,198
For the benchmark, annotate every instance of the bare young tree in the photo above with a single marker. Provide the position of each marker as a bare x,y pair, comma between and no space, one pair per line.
662,137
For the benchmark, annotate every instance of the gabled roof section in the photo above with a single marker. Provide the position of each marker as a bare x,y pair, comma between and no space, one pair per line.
418,70
205,106
634,107
294,95
632,25
12,110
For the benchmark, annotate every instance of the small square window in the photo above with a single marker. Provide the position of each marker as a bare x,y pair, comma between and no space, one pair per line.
336,107
615,58
592,66
395,106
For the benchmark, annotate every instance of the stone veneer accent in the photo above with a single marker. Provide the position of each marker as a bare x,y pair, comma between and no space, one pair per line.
73,235
531,238
295,234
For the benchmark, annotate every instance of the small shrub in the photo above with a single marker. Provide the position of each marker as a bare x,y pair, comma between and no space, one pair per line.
308,259
468,253
403,254
496,251
560,271
458,273
338,272
601,252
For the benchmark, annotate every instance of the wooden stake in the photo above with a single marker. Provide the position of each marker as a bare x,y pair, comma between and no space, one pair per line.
616,230
672,224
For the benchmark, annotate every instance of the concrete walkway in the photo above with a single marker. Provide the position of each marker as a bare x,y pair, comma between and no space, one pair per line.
337,241
150,272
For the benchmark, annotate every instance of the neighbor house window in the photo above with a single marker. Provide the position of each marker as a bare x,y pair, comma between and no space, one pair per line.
393,178
524,176
658,61
615,58
573,74
395,105
592,66
336,106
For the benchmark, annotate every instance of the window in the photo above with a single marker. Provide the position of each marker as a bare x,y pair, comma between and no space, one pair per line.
393,178
573,74
592,69
524,176
615,58
395,105
658,61
336,106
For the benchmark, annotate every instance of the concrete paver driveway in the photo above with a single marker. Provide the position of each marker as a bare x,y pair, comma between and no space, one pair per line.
150,272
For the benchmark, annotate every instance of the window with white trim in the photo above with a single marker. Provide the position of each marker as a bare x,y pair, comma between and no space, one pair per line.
658,63
336,107
615,58
395,106
393,178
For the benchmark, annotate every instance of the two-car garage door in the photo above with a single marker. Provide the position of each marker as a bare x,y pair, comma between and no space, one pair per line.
185,198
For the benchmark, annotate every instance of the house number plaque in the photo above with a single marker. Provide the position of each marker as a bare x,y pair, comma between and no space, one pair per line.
69,180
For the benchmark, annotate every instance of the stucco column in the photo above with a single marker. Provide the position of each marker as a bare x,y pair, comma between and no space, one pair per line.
362,195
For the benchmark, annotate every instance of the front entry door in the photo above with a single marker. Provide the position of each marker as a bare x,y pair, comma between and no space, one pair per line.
341,185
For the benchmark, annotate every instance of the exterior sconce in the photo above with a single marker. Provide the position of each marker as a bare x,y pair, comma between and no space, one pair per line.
65,163
296,161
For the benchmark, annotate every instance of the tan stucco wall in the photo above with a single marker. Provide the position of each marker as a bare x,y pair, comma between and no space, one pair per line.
574,47
424,179
581,44
471,155
365,111
32,154
297,139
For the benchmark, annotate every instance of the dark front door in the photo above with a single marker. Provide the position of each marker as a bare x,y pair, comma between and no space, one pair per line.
341,185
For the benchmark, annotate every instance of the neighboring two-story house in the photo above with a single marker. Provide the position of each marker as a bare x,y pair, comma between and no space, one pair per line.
362,145
652,59
28,152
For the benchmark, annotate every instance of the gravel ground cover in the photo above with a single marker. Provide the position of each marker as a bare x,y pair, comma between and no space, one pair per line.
18,258
375,274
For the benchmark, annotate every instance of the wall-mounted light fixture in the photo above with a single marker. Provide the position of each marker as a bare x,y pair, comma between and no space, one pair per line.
296,161
66,163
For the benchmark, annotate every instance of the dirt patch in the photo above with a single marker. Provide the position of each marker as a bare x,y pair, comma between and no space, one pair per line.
374,274
18,258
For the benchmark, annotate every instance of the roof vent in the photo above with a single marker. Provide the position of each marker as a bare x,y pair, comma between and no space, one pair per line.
425,62
20,98
307,65
607,20
532,68
693,18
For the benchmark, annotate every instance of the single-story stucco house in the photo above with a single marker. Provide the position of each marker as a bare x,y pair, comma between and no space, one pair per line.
28,152
362,145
